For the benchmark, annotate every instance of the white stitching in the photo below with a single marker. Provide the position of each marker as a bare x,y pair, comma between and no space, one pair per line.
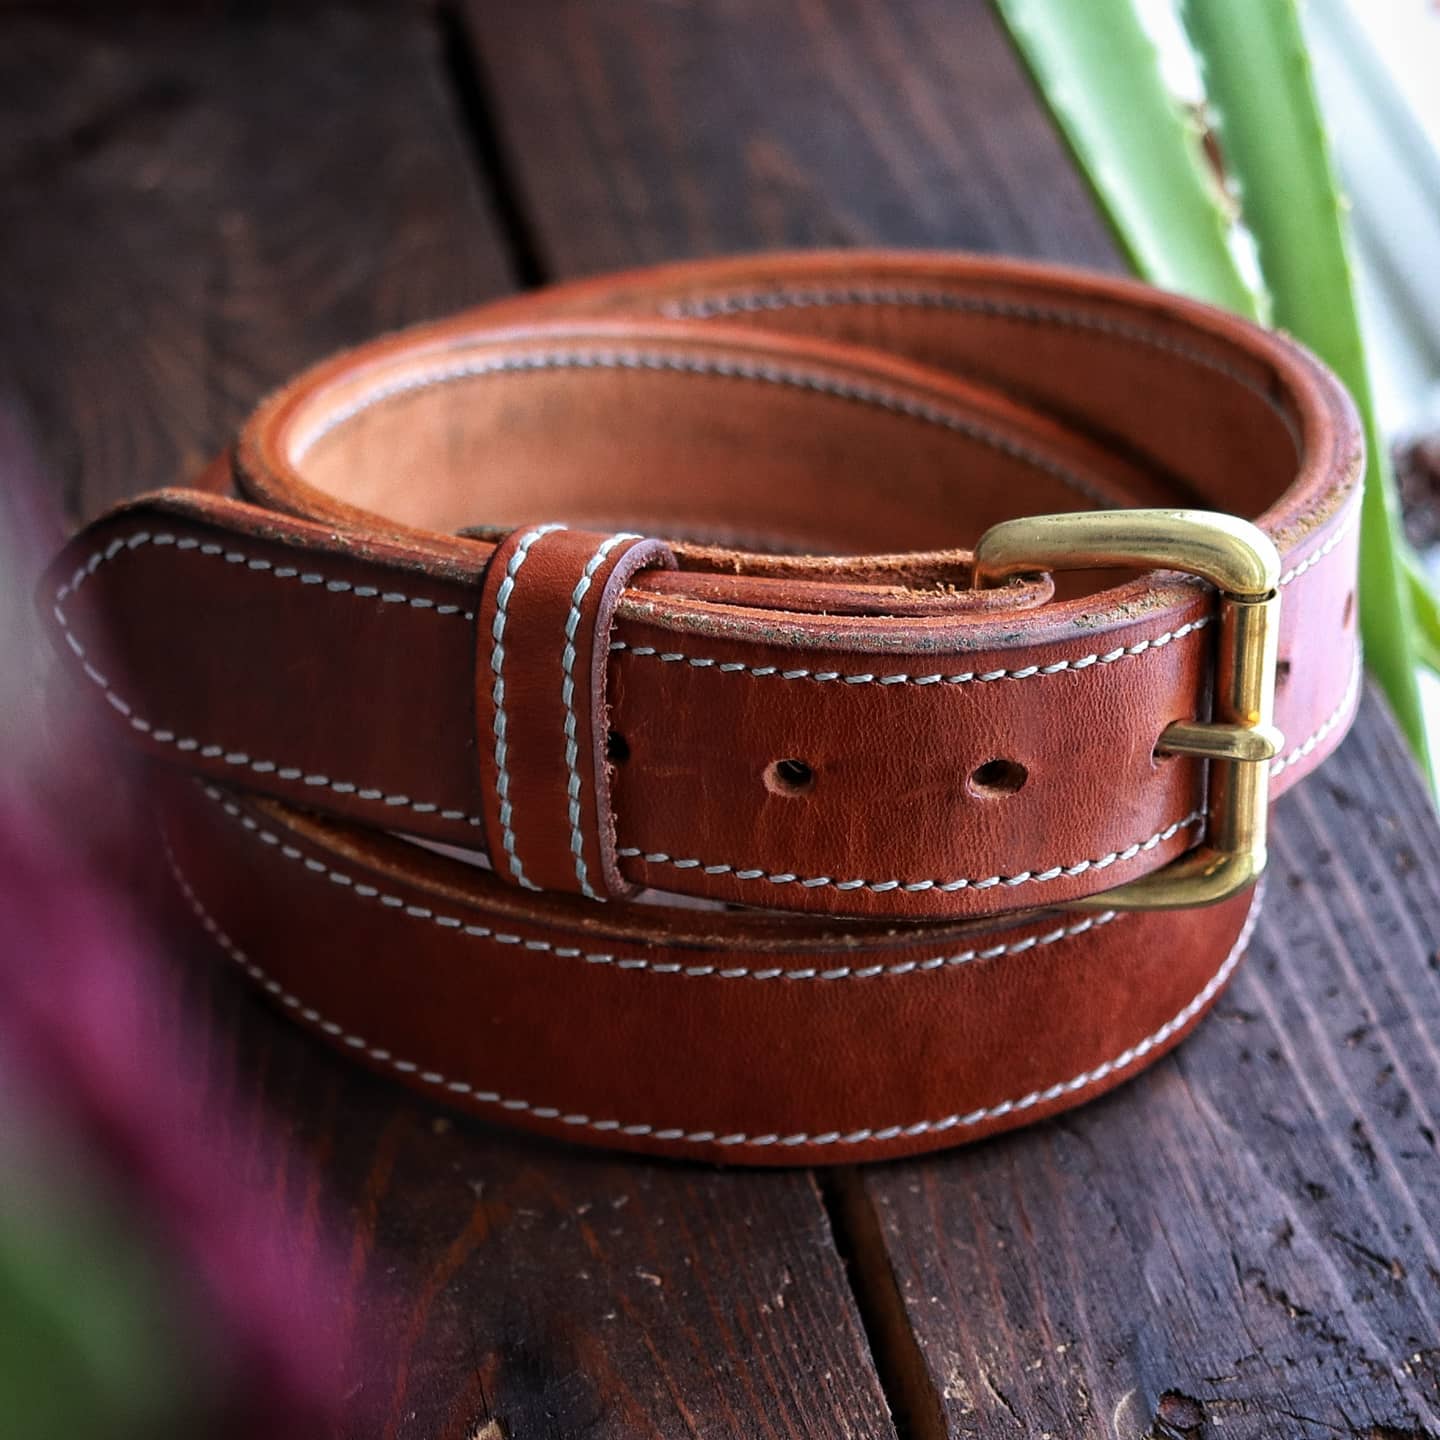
458,924
723,369
567,693
135,540
497,695
1346,526
755,302
967,677
813,882
970,677
759,302
1347,702
188,744
1024,877
861,1136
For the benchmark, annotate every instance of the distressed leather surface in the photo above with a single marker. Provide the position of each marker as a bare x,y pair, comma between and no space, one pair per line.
750,892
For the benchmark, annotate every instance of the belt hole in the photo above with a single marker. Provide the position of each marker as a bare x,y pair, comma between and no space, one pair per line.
1282,672
617,748
1349,612
996,778
789,777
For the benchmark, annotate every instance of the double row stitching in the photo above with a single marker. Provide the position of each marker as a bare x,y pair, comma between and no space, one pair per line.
497,696
293,773
1023,877
865,1135
1300,752
817,383
567,692
457,925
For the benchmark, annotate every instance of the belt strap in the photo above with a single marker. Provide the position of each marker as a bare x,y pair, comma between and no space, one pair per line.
427,686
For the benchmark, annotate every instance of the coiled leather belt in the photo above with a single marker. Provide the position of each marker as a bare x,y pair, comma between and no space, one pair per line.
802,845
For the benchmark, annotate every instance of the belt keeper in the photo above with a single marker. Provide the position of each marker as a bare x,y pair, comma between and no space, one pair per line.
546,608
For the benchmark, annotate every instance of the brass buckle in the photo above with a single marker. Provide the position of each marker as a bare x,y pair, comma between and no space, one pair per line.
1239,739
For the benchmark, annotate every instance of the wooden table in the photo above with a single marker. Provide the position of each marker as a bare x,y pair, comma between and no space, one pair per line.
1243,1242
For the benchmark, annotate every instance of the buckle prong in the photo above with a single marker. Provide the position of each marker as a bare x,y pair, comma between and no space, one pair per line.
1240,738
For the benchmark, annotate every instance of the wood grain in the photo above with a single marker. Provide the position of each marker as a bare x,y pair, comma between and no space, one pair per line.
1246,1237
189,210
547,1290
1244,1241
192,209
644,131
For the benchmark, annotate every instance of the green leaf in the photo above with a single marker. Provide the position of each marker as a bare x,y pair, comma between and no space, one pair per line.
1259,85
1098,72
1426,610
90,1340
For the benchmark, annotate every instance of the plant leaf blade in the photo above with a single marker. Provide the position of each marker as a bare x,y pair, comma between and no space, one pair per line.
1097,70
1262,94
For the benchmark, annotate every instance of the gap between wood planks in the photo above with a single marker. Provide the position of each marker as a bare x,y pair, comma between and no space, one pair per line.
898,1350
491,160
915,1406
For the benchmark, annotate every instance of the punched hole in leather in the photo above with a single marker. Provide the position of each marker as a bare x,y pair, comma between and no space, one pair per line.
857,795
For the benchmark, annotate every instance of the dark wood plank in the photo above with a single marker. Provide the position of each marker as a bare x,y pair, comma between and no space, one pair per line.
189,210
643,132
1244,1242
552,1291
1244,1238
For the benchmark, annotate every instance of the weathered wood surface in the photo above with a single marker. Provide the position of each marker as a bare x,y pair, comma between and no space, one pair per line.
188,212
639,131
1243,1243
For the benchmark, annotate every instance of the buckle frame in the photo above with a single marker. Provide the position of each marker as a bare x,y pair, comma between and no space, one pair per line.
1240,738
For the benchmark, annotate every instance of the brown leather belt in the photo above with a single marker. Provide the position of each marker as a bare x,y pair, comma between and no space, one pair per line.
882,825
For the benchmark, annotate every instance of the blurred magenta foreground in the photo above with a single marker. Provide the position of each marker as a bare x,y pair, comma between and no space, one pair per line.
143,1289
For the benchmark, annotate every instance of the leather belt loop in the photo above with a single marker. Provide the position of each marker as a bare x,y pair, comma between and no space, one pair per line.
543,632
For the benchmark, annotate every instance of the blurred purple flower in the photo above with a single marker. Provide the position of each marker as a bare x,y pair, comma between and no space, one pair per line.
91,1034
